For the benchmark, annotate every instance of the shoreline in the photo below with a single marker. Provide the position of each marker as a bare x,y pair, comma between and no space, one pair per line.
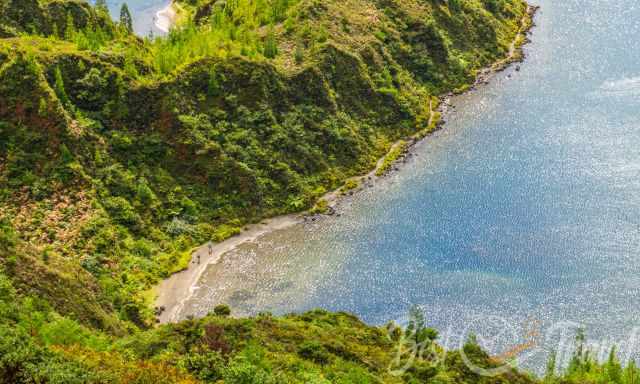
166,18
208,254
174,291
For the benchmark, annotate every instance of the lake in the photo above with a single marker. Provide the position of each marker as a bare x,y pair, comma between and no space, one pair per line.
519,220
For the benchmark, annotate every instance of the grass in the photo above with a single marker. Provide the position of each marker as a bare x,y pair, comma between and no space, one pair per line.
350,185
321,207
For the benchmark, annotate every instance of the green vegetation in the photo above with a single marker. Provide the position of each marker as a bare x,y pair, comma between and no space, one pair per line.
37,345
349,185
583,367
321,207
126,21
394,154
119,154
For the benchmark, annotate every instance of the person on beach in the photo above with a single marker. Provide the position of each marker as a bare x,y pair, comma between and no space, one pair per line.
210,249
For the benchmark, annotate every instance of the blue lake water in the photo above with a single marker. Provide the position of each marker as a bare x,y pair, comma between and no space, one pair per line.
524,212
142,11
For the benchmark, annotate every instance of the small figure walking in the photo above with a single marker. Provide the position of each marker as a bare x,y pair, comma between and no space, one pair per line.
198,259
210,249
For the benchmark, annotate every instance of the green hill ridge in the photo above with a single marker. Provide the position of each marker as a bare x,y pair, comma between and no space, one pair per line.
118,154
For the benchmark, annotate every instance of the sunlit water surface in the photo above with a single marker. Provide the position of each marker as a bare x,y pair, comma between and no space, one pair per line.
522,213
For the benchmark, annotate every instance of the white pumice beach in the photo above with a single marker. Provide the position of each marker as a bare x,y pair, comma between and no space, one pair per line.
166,18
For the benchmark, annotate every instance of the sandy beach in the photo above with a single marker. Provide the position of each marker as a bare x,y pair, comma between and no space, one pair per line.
179,288
166,18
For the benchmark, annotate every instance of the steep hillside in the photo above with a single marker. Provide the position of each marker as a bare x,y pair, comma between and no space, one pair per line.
118,154
50,17
39,346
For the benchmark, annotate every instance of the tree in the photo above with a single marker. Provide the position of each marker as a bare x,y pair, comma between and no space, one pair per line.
101,5
8,238
630,375
550,374
70,28
298,54
58,87
417,329
613,368
126,21
222,310
579,358
270,45
492,6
